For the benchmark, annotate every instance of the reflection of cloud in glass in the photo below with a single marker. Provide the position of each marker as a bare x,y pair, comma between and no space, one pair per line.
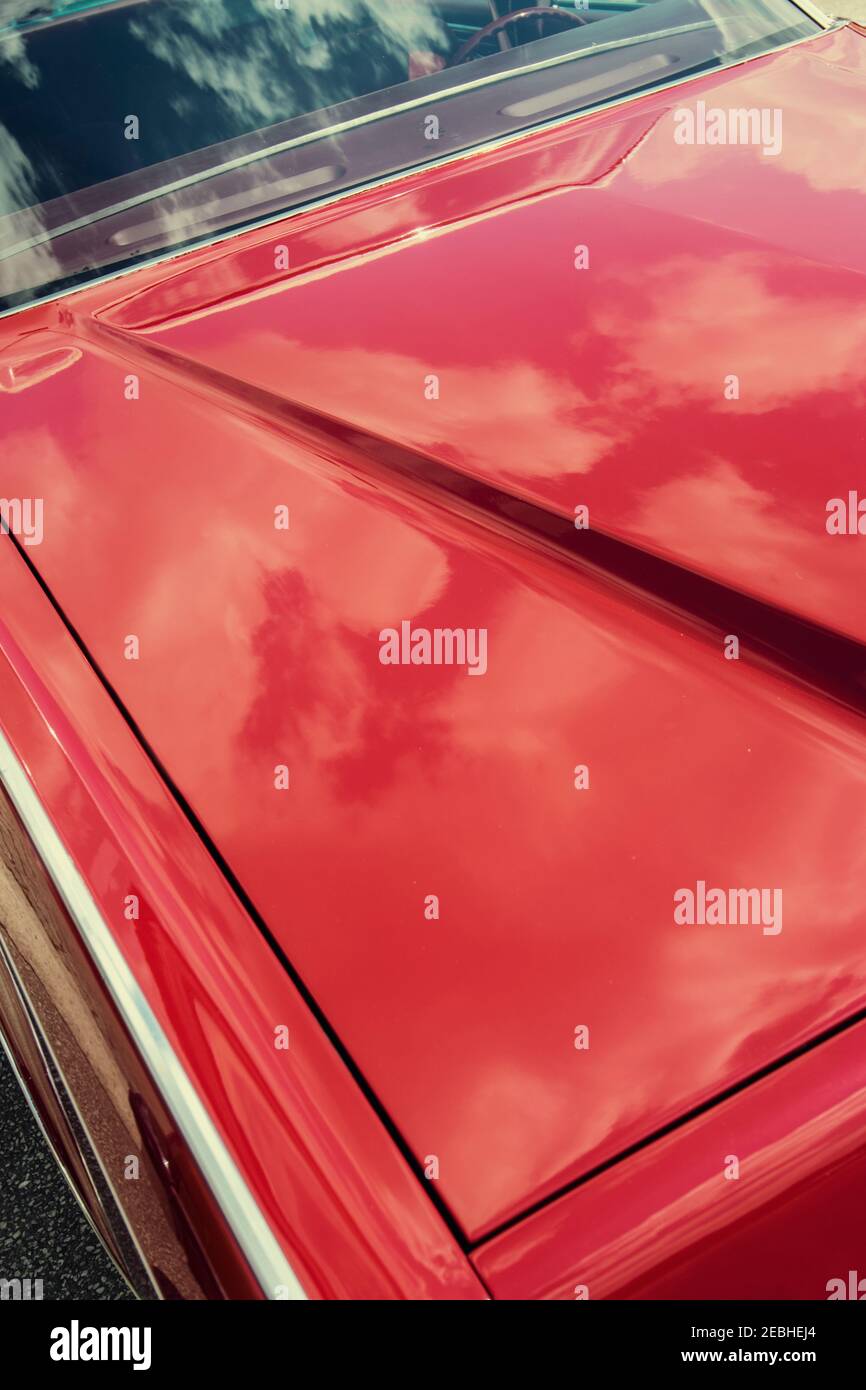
293,61
13,54
16,174
16,191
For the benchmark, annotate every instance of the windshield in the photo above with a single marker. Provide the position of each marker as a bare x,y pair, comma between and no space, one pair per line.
133,128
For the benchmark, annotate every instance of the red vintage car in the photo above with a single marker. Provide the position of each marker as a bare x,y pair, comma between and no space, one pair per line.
432,668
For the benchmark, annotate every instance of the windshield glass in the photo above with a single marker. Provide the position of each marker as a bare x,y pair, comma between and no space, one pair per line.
132,128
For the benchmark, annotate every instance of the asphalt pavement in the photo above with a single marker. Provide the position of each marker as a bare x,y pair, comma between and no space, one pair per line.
44,1234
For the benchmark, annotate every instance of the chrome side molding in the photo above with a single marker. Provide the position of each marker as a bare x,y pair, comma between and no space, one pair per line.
134,1270
243,1216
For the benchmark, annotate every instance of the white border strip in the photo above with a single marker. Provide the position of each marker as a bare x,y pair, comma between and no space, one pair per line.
251,1230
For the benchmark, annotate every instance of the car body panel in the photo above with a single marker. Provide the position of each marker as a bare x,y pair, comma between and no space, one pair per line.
759,1198
259,648
353,1219
699,269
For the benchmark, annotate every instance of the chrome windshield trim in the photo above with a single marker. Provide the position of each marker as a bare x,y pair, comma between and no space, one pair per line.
339,128
243,1216
820,16
500,142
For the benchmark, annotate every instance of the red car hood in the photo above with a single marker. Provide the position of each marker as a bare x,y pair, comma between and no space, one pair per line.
431,389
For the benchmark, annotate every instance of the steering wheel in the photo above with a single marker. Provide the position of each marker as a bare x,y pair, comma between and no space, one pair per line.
543,12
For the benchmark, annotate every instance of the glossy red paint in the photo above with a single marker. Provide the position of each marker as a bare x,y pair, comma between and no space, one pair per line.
557,387
605,386
759,1198
352,1217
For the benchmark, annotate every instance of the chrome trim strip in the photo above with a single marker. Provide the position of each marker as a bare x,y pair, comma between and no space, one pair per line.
246,1221
501,142
821,17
